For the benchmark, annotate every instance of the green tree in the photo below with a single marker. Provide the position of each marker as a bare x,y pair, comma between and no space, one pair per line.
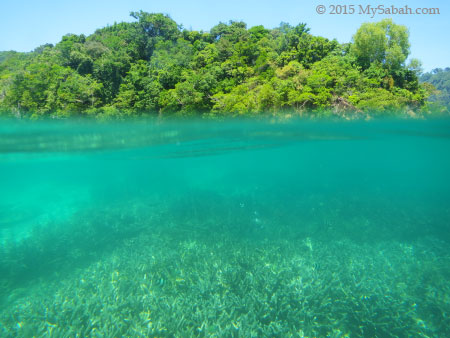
153,65
155,27
381,42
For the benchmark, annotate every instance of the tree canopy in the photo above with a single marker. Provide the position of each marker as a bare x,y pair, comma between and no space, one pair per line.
154,66
381,42
438,80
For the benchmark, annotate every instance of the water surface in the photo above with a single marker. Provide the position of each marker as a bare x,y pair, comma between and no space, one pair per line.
225,229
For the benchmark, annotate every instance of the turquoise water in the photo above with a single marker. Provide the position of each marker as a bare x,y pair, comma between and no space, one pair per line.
225,229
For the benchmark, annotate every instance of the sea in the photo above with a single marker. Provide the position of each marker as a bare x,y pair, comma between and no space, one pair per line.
225,228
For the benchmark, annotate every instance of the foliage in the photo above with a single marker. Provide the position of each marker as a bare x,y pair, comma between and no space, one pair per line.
438,83
383,42
154,66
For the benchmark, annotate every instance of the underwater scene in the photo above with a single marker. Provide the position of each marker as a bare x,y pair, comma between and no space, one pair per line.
225,228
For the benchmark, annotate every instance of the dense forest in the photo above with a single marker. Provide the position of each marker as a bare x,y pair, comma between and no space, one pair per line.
440,79
154,66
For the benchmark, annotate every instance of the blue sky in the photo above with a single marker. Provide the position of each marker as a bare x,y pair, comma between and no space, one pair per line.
26,24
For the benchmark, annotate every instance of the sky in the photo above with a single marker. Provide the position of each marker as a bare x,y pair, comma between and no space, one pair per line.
27,24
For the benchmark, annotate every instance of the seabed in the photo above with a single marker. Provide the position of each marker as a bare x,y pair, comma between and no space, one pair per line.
164,272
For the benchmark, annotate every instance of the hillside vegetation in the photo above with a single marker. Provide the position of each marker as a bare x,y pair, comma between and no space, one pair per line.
154,66
440,79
